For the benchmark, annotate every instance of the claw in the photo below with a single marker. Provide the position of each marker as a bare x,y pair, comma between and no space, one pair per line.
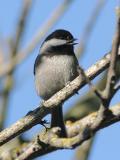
43,123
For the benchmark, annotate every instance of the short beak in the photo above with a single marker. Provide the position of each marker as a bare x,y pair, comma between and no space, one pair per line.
72,41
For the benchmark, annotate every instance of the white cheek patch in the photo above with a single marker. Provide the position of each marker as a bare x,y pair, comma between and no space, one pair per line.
53,42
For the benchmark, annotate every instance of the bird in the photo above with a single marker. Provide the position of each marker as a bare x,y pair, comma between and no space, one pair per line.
55,66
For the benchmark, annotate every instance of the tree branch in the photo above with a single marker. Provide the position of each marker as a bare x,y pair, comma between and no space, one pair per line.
78,132
36,115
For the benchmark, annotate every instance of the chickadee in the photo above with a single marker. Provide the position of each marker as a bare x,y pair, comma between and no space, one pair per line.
55,66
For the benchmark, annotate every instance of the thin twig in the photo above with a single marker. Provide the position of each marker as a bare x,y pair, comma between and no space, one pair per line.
109,91
111,80
93,88
89,27
13,52
23,54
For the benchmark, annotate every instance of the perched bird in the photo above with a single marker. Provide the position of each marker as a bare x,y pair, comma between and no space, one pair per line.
55,66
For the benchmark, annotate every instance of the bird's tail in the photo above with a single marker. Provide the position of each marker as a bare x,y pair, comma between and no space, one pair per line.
57,120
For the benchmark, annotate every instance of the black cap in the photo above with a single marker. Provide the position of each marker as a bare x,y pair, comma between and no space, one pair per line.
60,34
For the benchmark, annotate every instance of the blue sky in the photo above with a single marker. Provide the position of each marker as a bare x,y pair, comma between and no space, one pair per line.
24,98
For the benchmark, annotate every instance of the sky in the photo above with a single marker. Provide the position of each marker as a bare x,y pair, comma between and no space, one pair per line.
24,98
